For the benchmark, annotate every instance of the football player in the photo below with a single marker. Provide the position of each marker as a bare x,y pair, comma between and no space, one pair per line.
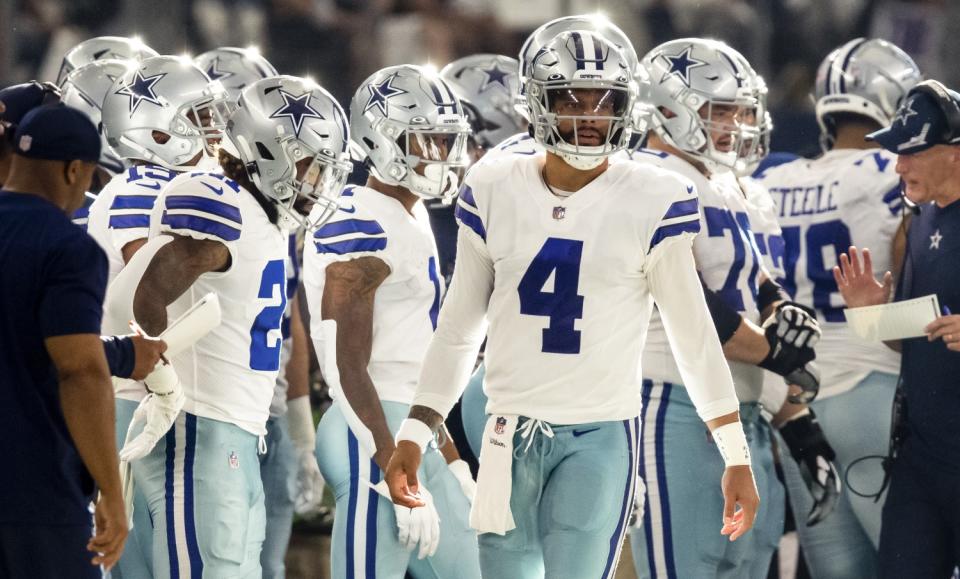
848,196
235,68
698,95
285,148
374,289
564,258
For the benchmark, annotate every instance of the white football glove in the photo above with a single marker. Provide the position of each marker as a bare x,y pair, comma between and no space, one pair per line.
159,409
461,470
310,485
639,504
418,525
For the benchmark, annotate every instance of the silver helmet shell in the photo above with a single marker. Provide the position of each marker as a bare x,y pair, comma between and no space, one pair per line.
563,70
281,121
868,77
235,68
412,130
101,47
85,88
585,22
691,80
757,127
489,83
169,95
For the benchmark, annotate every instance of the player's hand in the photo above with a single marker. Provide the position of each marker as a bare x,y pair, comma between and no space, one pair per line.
739,490
804,384
148,352
796,325
111,530
809,447
461,470
416,526
310,485
401,475
948,328
856,282
159,410
783,358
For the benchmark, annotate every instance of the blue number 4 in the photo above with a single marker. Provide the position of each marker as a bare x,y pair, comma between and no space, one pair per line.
560,258
264,352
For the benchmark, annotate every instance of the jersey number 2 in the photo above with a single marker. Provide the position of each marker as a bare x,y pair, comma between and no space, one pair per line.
264,352
561,259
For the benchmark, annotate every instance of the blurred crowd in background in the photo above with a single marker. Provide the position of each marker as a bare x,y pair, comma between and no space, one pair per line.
340,42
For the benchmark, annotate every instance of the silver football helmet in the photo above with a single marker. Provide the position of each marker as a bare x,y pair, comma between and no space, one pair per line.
85,88
93,49
235,68
580,93
165,111
411,129
699,91
868,77
589,22
293,138
489,83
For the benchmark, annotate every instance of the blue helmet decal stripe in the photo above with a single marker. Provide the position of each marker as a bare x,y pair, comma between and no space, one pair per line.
578,48
846,62
736,70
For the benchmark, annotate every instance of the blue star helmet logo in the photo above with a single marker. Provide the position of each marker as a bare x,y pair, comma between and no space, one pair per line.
381,94
214,72
494,75
681,64
141,89
296,108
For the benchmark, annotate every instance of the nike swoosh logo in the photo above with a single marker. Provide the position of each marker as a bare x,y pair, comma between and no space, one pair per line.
150,185
217,190
582,432
689,189
351,210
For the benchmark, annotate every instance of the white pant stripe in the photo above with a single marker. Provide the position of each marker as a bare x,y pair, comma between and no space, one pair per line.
655,529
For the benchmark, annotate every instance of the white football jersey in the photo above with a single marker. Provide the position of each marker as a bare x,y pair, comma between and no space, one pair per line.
570,301
230,374
371,224
519,144
846,197
766,226
278,406
729,263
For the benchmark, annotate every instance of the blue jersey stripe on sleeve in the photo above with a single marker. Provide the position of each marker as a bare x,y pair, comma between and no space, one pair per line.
893,200
470,220
682,208
129,221
205,205
201,225
353,245
674,229
466,194
367,226
133,202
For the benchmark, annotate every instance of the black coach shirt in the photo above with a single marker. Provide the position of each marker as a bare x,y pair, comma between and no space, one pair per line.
52,281
931,372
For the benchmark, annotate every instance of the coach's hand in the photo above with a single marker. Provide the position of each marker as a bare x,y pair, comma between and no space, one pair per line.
856,282
948,328
147,354
401,475
739,489
111,527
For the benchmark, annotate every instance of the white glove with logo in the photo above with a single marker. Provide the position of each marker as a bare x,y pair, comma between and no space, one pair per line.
303,434
159,409
639,504
461,470
418,525
797,325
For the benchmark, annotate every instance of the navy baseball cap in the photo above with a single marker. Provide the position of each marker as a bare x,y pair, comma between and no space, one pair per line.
20,99
57,133
921,122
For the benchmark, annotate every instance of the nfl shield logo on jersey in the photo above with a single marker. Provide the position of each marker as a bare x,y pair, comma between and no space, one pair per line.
501,421
559,213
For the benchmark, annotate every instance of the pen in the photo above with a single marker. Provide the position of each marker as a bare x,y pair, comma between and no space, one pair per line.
946,310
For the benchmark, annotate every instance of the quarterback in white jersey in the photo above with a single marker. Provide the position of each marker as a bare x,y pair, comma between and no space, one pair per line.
563,253
848,196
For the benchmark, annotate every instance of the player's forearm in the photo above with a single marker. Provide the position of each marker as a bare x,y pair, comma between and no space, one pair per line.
449,448
361,395
748,344
298,367
426,415
88,409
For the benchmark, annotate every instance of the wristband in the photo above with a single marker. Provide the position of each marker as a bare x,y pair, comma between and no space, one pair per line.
415,431
732,443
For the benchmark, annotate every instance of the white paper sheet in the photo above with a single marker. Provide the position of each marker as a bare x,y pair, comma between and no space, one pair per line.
894,321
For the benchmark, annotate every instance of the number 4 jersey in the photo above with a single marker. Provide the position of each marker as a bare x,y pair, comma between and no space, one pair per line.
230,374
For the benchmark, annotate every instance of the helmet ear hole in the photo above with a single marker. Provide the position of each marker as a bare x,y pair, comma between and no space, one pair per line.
263,152
159,137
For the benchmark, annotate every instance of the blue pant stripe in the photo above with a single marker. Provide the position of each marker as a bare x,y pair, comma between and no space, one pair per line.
662,483
171,440
354,454
647,522
615,539
193,547
372,501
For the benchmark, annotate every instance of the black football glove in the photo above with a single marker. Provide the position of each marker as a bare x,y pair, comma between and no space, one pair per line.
795,324
814,456
807,378
783,358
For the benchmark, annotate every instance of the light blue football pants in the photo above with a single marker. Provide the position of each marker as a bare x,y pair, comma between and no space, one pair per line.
202,483
473,410
278,470
137,558
681,466
857,424
365,544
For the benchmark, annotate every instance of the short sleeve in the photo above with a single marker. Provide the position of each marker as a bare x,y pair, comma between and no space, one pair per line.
354,231
135,193
203,206
74,283
679,222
